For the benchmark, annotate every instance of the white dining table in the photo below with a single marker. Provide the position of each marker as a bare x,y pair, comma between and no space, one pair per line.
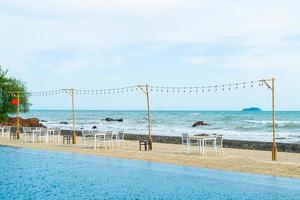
201,143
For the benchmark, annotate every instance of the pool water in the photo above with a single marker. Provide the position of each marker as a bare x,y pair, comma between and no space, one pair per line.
38,174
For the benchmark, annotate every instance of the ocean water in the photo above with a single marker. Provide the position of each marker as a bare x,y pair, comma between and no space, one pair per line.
37,174
240,125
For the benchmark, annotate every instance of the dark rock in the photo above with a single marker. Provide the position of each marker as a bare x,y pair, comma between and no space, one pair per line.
63,123
108,119
200,123
253,109
94,127
30,122
111,120
44,120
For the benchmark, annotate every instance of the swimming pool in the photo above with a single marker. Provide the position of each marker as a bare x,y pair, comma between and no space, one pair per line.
38,174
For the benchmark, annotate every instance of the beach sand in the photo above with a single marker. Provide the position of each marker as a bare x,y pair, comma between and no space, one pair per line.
288,164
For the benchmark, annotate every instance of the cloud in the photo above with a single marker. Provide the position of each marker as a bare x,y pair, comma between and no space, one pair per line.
105,40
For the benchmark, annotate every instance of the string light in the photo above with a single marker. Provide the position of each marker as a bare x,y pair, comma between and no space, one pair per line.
151,88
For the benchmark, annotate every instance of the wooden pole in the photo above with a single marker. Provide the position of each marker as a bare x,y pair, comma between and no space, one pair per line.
274,146
18,116
149,125
73,116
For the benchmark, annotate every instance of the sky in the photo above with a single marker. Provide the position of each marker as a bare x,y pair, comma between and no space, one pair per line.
98,44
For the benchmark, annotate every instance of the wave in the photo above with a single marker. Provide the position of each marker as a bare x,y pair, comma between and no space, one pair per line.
295,126
270,122
234,125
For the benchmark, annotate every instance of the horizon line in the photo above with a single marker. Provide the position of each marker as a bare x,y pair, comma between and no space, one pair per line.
45,109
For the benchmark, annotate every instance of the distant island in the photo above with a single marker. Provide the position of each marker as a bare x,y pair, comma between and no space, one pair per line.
252,109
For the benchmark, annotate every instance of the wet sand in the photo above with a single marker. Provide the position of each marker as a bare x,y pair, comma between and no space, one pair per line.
288,164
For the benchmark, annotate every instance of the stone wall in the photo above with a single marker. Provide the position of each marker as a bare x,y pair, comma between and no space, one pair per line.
70,132
237,144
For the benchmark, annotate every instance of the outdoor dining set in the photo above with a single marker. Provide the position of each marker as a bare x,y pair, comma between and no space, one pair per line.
203,142
106,139
32,134
91,138
94,138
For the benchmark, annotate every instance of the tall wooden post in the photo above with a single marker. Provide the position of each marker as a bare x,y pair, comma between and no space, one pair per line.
18,116
145,89
274,146
73,116
149,125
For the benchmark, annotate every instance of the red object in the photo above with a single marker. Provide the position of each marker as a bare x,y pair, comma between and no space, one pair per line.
14,101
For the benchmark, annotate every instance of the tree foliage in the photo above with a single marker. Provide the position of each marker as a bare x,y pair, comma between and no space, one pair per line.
9,87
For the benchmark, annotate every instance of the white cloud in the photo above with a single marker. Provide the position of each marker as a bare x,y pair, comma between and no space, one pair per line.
103,35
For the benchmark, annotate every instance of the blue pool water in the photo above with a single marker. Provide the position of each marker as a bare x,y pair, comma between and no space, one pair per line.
37,174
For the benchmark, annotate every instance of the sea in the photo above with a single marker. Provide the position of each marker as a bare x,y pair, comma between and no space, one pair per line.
238,125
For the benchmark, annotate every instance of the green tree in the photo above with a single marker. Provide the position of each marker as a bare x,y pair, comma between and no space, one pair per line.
9,87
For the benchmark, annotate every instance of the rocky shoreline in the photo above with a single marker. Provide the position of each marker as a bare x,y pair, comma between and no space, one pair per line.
29,122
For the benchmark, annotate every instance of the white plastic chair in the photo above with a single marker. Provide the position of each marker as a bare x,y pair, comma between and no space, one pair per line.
57,134
5,132
120,138
219,144
88,138
36,134
43,137
50,132
108,139
27,132
184,137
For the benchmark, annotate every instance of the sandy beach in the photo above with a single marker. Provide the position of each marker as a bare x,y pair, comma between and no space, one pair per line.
288,164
